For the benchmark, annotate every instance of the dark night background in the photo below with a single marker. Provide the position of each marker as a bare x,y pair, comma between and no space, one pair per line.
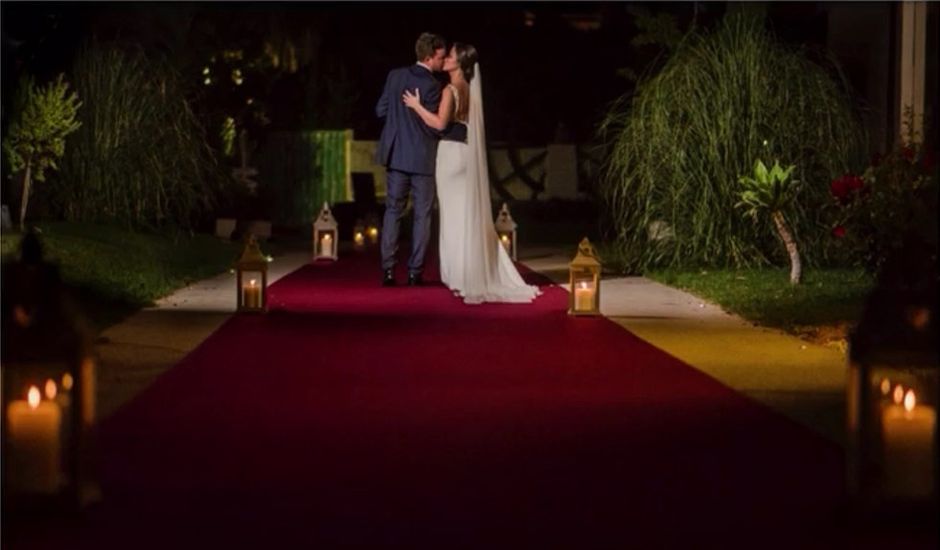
550,69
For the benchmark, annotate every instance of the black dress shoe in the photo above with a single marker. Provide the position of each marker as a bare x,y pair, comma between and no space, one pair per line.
388,278
414,279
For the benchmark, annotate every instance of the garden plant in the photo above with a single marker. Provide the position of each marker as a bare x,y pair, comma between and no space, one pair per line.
680,142
44,116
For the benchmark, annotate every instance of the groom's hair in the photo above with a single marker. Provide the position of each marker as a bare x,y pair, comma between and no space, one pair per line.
427,44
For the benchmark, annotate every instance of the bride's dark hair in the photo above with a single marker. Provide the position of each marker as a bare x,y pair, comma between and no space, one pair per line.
466,59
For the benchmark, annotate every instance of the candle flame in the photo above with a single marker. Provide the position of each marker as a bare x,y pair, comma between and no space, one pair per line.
885,386
898,394
327,237
253,282
373,231
32,397
910,401
51,390
583,284
67,381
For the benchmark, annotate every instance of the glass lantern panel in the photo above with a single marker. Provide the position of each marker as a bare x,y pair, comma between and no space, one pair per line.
505,239
252,289
326,243
584,291
903,413
39,423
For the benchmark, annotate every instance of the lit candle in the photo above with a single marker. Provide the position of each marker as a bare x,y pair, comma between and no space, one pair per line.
507,242
326,245
252,297
359,238
374,234
33,428
909,452
51,390
583,297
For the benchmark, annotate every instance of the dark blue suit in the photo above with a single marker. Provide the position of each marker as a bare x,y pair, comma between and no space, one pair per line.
408,150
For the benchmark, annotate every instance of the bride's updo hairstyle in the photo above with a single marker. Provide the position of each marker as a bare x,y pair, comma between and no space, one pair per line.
466,59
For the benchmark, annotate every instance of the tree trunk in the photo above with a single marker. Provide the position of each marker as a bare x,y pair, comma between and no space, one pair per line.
796,270
24,200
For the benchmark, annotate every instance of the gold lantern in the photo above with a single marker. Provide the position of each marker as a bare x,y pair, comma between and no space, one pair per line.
48,389
584,281
893,393
251,282
506,230
325,235
359,235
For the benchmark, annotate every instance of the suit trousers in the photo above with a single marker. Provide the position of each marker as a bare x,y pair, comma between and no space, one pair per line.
399,185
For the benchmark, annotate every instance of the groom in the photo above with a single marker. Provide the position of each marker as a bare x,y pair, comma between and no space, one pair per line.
408,150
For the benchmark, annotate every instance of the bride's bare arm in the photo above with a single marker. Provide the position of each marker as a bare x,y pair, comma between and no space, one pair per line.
438,120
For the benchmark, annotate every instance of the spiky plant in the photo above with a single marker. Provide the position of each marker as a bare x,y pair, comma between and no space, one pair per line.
773,192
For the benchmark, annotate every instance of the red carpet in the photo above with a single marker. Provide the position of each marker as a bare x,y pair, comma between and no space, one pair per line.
354,415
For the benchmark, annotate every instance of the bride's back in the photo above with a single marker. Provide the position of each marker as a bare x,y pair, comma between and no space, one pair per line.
461,101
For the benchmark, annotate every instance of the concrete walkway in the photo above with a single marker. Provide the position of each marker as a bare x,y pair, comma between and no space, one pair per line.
801,380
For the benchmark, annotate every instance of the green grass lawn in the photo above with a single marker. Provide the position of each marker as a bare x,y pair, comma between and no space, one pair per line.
825,298
112,272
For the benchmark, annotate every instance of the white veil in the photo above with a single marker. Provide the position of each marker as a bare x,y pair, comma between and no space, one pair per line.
490,274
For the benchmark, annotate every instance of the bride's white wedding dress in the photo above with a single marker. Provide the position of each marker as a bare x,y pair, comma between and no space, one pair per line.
473,262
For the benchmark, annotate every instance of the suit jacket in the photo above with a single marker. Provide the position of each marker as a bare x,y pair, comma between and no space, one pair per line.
407,144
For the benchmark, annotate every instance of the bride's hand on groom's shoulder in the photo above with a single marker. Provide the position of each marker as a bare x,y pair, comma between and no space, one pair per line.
412,100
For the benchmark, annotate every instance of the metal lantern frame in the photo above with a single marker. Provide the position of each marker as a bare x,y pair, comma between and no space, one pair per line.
893,395
46,444
584,268
252,260
506,229
325,224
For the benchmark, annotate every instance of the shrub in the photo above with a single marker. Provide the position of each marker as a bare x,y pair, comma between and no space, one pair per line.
679,144
140,158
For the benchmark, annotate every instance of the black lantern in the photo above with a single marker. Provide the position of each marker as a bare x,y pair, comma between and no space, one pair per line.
48,377
893,389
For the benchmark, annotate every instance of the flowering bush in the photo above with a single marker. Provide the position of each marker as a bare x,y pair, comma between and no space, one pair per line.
893,197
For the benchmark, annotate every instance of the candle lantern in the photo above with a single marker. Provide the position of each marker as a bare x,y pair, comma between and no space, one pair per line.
372,228
892,393
251,281
359,235
373,232
506,230
584,281
48,389
325,235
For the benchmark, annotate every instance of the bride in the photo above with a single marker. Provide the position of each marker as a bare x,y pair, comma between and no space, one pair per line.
473,262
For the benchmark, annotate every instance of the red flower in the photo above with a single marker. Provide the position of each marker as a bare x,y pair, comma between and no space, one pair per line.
844,187
838,232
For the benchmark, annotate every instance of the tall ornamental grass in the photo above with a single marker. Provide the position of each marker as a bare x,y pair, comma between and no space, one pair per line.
141,157
678,146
